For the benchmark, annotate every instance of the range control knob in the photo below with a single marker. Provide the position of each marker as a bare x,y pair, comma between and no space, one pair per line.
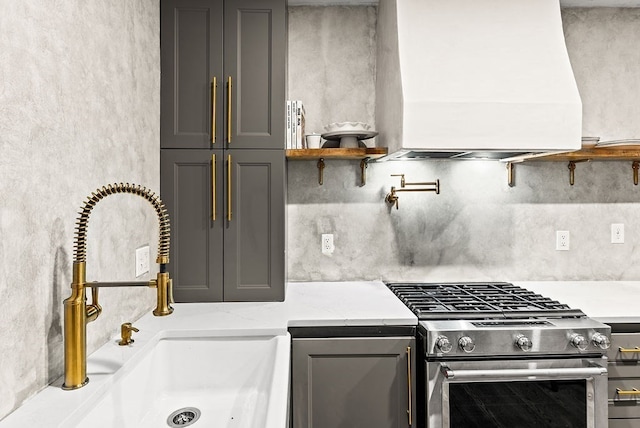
579,341
443,344
601,341
466,344
523,343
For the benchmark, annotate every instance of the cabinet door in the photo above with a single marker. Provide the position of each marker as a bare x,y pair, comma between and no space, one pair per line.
254,237
254,59
187,188
191,46
352,382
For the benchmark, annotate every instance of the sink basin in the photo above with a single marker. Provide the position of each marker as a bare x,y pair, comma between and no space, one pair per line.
200,382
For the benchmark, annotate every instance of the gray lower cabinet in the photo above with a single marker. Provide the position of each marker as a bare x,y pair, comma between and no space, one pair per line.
624,379
227,223
353,382
223,73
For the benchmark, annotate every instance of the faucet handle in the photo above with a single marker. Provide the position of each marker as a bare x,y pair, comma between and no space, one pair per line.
392,197
126,331
94,309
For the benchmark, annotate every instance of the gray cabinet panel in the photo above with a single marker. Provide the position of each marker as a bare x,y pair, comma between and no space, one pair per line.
254,239
203,41
624,373
254,39
351,382
191,55
195,264
624,423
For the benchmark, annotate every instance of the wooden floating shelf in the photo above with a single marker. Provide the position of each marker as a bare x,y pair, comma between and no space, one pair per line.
337,153
364,154
623,152
593,153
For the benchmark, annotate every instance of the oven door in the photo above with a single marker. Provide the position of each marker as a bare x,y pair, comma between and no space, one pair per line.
517,393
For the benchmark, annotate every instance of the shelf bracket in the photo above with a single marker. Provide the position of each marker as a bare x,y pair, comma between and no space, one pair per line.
364,164
511,169
635,165
572,168
572,175
320,171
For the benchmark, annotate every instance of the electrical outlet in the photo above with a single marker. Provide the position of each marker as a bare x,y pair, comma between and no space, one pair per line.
142,261
617,233
562,240
327,243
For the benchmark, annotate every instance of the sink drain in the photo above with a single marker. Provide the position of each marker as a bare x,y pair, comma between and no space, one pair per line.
183,417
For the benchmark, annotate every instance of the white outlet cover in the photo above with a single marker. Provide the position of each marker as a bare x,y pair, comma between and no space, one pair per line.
617,233
562,240
327,243
142,261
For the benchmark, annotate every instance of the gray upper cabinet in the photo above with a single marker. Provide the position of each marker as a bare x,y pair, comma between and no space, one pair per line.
222,172
353,382
227,224
223,74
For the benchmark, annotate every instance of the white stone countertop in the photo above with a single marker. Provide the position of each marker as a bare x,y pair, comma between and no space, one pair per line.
606,301
361,303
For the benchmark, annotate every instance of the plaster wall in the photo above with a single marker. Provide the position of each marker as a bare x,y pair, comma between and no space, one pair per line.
478,228
79,109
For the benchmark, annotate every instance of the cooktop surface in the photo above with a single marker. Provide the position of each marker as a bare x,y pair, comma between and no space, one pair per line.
477,300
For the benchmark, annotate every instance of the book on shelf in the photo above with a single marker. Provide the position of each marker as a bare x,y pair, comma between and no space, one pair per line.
295,126
300,113
288,127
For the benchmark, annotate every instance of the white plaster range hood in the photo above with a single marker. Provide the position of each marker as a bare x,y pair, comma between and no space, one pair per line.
469,78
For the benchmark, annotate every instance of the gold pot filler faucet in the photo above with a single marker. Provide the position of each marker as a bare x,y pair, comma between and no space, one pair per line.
77,313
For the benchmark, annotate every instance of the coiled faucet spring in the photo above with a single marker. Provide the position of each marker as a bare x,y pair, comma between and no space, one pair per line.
80,242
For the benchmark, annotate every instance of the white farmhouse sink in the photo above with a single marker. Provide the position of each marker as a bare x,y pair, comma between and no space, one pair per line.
231,381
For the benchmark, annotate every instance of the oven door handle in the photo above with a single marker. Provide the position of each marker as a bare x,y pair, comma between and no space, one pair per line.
578,372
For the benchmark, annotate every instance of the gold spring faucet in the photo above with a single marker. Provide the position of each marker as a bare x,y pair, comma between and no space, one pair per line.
77,313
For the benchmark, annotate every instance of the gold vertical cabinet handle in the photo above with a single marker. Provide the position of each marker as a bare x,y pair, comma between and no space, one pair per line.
410,410
213,187
229,85
214,87
228,187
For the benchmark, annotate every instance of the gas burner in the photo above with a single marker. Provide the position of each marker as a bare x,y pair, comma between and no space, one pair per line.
478,300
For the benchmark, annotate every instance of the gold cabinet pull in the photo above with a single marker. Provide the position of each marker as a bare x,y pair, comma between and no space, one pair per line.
409,411
214,87
629,350
633,391
228,187
213,187
229,85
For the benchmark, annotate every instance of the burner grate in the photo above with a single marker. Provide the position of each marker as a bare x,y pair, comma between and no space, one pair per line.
477,301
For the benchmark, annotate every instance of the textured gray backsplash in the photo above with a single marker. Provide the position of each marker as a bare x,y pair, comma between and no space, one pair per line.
79,108
477,228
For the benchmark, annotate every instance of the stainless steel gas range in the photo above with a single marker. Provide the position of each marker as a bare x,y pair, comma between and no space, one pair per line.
497,355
